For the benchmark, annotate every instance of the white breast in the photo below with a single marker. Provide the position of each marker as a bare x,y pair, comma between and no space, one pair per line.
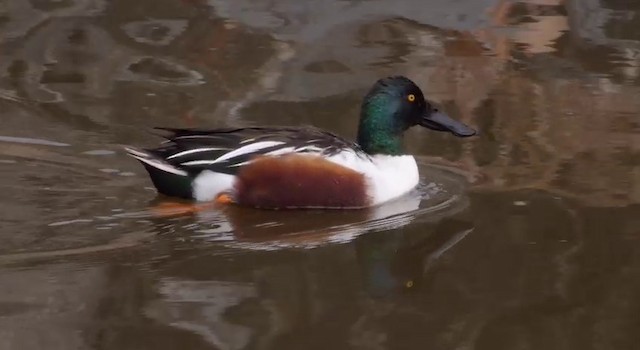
388,176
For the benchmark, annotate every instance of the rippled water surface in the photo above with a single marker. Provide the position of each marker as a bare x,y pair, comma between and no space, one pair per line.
525,237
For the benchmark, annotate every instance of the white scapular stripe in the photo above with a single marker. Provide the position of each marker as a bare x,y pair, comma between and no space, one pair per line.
240,164
155,162
281,151
236,153
134,152
310,149
199,136
196,150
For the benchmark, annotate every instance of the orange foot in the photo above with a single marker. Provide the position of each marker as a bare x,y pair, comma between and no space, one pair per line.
166,209
224,198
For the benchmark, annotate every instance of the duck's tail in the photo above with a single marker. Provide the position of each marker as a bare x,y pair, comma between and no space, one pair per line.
167,178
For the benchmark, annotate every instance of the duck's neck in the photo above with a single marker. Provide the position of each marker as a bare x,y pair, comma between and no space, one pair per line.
378,130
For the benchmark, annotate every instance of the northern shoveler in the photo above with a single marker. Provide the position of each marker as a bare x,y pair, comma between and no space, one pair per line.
286,167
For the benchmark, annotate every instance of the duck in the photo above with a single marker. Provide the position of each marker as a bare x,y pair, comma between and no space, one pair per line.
301,167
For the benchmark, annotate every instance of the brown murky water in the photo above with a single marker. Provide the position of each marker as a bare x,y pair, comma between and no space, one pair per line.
527,237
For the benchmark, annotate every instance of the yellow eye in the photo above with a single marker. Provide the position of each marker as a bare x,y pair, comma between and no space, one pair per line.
409,283
411,97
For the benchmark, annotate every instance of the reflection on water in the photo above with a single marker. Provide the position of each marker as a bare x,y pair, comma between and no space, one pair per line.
539,250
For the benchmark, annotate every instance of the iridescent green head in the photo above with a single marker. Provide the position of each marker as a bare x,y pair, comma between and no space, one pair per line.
392,106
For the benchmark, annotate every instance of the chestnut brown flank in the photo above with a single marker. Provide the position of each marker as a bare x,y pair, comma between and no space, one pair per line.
300,181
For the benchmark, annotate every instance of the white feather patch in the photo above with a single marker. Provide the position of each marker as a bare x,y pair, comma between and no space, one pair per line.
315,149
134,152
196,150
281,151
154,162
208,185
236,153
388,177
252,147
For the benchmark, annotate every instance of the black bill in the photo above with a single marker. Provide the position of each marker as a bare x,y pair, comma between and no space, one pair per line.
437,120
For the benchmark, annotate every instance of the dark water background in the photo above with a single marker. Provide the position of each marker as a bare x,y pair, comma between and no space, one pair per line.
527,237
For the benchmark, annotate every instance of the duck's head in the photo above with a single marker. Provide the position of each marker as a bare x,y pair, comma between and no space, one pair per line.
392,106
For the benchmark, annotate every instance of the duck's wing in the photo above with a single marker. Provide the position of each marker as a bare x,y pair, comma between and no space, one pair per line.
226,150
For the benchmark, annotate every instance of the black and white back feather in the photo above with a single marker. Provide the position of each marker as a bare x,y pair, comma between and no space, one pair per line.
190,151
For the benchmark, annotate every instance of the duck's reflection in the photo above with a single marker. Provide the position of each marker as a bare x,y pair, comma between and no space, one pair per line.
200,307
279,296
393,263
260,229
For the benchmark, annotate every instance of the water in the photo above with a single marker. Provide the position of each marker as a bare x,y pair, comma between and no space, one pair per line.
524,237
